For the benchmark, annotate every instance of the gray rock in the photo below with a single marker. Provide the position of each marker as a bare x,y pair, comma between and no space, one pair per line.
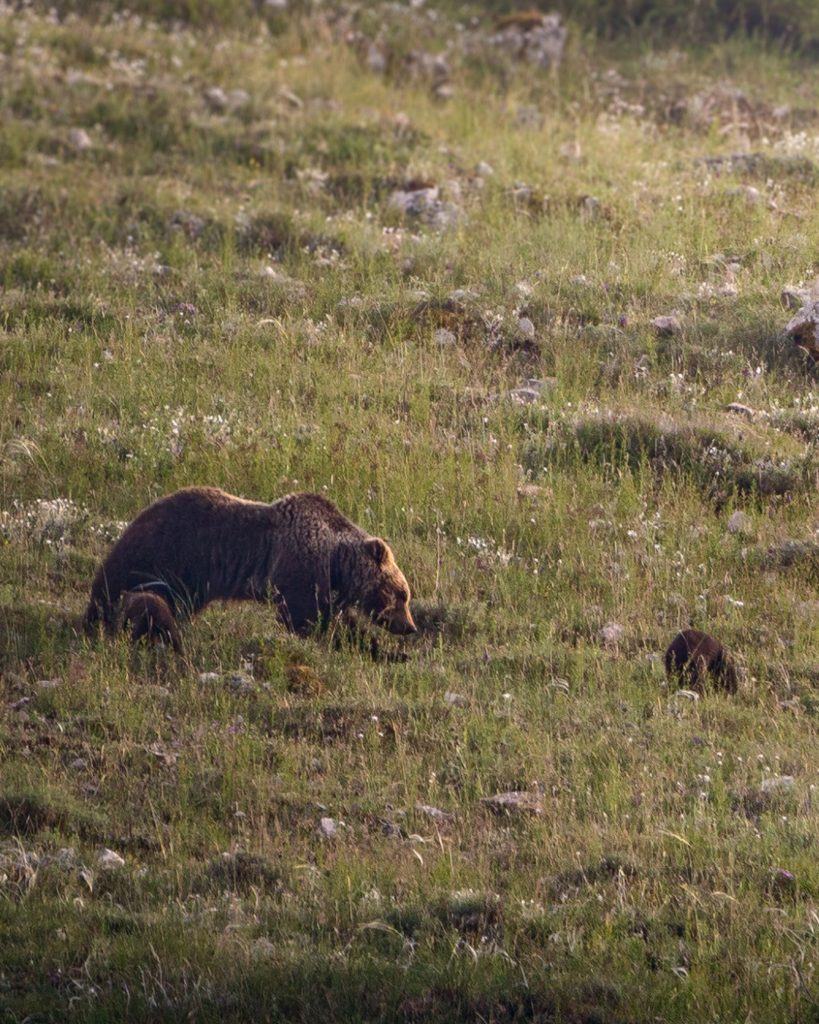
328,828
537,41
666,326
79,140
526,327
777,784
793,297
444,338
426,206
434,812
804,328
739,522
612,633
110,860
740,410
375,60
216,99
514,802
276,5
484,169
456,700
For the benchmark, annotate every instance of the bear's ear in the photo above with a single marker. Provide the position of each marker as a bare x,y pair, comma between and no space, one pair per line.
376,549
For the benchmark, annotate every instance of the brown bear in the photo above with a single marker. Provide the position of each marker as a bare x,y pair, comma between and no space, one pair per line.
693,658
201,544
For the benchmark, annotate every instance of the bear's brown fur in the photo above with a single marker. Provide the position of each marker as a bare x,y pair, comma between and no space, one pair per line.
693,658
201,544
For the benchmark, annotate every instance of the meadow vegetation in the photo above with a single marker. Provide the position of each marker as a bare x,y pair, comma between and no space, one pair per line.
209,275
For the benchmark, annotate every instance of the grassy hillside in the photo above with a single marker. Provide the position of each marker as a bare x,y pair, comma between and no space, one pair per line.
379,255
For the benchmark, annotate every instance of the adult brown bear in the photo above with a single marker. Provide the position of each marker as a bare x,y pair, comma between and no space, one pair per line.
201,544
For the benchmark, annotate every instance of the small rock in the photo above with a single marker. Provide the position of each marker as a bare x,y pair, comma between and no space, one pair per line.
425,205
79,140
79,764
531,492
262,948
238,98
109,860
740,410
434,812
526,327
376,60
612,633
190,223
216,99
571,151
794,298
444,91
456,700
804,329
444,338
666,326
484,169
328,828
590,208
691,695
209,677
291,98
739,522
240,683
514,802
777,784
48,684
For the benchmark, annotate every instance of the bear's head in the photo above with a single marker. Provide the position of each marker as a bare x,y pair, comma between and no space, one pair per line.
374,583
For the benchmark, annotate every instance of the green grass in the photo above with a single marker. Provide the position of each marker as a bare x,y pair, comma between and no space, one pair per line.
228,297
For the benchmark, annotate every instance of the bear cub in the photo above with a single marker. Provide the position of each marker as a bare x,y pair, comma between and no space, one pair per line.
201,544
693,658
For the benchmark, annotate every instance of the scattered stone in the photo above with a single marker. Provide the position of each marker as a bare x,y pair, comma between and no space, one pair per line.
48,684
795,298
79,140
240,683
792,552
456,700
290,98
376,60
109,860
425,205
190,223
434,812
590,208
612,633
531,492
238,98
694,659
526,327
209,677
444,338
571,151
739,522
740,410
328,828
666,326
531,36
804,329
79,764
484,169
777,784
514,802
216,99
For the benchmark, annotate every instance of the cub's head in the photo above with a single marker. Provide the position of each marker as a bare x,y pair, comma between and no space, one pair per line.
379,588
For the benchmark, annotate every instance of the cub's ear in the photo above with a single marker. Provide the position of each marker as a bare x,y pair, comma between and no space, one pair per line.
376,549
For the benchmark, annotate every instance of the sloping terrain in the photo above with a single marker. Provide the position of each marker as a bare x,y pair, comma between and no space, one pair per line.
522,317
